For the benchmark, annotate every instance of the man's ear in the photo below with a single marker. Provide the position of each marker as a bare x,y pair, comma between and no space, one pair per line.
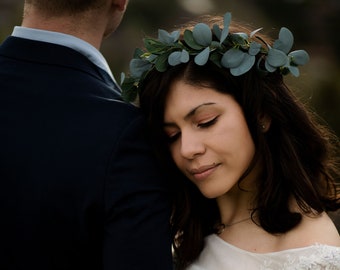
120,5
264,123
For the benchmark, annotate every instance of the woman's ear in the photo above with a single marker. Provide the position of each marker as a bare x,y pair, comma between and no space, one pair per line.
264,123
120,4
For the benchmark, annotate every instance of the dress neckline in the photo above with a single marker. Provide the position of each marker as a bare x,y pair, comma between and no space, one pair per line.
215,237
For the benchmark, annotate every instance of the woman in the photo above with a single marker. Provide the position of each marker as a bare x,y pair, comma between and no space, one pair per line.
257,172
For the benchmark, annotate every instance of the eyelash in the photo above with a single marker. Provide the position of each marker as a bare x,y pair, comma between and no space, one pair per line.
207,124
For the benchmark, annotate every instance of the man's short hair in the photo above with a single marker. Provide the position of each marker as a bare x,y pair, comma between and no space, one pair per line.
59,7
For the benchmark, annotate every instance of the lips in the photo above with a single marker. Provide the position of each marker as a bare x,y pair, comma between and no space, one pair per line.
203,172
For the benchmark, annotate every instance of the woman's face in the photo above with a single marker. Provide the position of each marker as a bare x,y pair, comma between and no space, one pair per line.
208,137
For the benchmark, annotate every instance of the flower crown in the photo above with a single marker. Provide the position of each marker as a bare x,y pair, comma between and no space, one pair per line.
235,51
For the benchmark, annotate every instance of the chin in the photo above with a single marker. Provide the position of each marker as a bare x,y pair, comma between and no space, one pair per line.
210,194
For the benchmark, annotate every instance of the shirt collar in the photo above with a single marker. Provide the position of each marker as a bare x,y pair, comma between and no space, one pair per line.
72,42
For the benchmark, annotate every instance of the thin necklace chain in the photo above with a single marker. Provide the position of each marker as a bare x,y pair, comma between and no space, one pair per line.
221,227
237,222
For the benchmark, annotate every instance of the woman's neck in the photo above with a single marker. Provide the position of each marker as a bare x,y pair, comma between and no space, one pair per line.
236,205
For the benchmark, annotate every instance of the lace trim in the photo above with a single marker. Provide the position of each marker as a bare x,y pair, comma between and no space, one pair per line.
324,258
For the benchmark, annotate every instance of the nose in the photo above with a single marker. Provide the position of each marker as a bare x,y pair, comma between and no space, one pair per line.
191,145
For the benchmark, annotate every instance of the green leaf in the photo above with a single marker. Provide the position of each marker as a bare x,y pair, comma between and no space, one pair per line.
122,77
277,58
215,45
202,34
176,58
299,57
138,67
189,40
254,48
215,57
154,46
137,53
226,23
167,38
202,58
269,67
246,64
161,62
129,92
285,41
232,58
294,70
239,38
227,20
217,31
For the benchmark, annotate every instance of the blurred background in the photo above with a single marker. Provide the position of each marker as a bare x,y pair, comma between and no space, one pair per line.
314,23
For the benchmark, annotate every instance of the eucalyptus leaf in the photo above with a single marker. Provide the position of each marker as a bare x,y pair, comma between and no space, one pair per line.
122,77
246,64
244,36
202,58
151,57
254,48
137,53
299,57
168,38
277,58
226,20
217,31
138,67
189,40
232,58
285,41
294,70
235,51
161,63
154,46
215,45
226,23
269,67
215,57
176,58
129,92
185,57
202,34
238,39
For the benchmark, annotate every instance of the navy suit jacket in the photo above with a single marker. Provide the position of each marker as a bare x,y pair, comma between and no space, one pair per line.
79,188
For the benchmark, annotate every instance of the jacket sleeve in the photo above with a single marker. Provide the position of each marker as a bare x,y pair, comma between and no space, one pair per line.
137,233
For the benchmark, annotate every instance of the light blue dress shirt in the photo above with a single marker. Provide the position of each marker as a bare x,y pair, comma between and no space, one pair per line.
72,42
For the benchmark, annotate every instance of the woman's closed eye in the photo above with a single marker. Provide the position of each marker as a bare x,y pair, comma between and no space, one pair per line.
172,138
208,123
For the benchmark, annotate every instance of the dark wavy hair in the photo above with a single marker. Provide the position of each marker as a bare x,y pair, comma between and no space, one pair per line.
298,154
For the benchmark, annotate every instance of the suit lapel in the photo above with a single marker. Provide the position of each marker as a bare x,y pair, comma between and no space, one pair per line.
109,81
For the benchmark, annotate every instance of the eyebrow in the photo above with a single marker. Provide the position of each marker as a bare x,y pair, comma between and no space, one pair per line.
192,112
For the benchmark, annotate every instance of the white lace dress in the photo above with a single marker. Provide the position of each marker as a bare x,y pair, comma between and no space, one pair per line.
220,255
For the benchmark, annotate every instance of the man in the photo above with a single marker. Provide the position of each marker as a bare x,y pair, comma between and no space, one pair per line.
79,186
